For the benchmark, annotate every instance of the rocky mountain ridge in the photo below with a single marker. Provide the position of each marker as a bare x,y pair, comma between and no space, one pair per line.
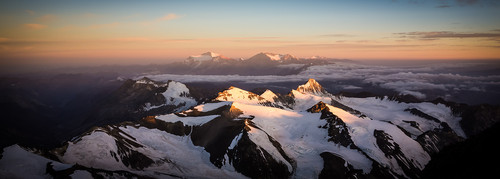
307,133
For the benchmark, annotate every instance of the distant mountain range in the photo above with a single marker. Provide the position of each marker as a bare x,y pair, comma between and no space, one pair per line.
151,129
211,63
262,58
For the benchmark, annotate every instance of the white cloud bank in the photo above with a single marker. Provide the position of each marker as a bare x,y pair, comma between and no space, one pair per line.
413,80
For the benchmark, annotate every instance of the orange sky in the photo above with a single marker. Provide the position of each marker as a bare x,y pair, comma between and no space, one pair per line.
128,33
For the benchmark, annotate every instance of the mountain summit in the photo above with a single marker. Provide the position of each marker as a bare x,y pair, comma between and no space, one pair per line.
312,87
265,57
207,56
305,134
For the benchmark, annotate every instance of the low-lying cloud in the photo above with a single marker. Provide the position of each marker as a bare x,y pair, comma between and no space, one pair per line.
418,80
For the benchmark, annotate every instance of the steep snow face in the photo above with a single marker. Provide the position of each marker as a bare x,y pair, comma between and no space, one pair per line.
94,150
183,157
211,106
260,138
299,135
378,136
304,101
398,113
176,94
362,132
246,129
154,94
312,87
239,95
190,121
268,95
170,155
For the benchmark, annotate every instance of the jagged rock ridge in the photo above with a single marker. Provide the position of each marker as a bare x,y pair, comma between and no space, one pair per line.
242,134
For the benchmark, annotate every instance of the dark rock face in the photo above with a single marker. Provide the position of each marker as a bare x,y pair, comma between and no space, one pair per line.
124,103
475,157
127,104
475,118
248,157
254,162
177,128
478,118
129,157
336,167
320,106
337,129
392,150
286,101
434,141
216,136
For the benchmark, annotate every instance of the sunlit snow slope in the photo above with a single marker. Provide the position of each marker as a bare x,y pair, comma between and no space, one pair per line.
307,133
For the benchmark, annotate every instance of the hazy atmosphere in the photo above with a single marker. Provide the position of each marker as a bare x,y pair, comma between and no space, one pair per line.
136,32
382,89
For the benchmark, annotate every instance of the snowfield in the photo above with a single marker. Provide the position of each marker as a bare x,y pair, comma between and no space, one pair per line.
381,134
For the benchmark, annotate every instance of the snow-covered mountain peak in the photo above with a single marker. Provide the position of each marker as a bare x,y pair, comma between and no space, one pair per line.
158,95
279,57
312,87
241,134
239,95
264,57
272,56
148,81
207,56
211,54
268,95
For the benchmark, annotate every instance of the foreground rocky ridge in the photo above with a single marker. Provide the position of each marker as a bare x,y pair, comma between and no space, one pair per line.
307,133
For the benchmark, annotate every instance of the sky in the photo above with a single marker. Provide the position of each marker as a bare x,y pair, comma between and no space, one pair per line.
139,32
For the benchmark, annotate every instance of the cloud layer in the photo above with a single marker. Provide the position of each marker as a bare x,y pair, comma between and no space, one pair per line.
446,34
423,81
